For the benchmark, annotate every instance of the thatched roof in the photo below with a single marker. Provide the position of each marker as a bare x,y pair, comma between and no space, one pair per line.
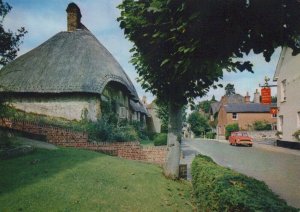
67,62
138,107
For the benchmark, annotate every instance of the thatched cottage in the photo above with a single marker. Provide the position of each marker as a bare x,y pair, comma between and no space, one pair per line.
70,76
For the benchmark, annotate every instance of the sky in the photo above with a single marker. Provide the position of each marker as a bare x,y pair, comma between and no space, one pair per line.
44,18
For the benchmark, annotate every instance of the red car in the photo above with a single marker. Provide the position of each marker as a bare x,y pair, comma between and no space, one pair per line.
240,138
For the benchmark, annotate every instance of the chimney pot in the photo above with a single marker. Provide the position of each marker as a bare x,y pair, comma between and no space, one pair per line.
247,98
73,17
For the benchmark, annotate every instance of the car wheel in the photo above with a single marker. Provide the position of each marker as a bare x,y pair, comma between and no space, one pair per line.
250,145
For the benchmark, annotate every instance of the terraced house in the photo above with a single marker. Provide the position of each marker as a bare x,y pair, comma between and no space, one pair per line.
71,76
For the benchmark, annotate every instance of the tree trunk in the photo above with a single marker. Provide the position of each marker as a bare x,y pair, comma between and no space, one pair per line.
171,168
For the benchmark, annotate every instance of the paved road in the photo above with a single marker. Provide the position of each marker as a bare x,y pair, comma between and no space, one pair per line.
278,167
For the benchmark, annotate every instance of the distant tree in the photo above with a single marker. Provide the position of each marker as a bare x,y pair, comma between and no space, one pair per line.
181,48
229,89
213,99
9,41
162,111
204,106
198,122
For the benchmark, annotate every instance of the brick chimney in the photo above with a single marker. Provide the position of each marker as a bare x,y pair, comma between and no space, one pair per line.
247,98
256,98
73,18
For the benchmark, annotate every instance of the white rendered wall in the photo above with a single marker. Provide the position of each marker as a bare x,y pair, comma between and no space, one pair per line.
68,108
289,108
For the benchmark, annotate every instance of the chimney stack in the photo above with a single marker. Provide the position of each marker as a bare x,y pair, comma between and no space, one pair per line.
73,18
247,98
256,98
144,100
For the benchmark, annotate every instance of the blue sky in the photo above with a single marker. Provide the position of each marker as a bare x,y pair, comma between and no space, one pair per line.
44,18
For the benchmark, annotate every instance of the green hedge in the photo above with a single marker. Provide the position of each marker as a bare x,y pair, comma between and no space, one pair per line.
220,189
262,125
231,128
161,139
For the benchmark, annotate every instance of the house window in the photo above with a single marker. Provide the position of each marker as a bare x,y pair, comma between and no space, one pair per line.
274,115
298,119
123,113
234,116
283,91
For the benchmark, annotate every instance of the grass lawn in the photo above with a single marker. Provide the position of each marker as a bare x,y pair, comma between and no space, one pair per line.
67,179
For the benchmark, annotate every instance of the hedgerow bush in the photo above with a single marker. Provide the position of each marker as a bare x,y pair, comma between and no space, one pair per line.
262,125
161,139
231,128
211,135
220,189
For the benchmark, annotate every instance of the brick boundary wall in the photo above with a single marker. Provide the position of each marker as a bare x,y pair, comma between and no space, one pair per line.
69,138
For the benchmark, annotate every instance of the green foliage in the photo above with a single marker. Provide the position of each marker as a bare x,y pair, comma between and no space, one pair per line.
229,89
204,106
231,128
9,41
179,52
211,135
199,123
162,111
262,125
296,135
160,139
221,189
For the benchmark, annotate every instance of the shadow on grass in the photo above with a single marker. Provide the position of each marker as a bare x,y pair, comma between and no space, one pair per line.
42,164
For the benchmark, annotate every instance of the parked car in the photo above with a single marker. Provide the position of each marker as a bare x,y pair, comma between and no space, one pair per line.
240,138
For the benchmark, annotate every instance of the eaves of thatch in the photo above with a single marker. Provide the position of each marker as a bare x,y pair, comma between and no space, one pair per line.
68,62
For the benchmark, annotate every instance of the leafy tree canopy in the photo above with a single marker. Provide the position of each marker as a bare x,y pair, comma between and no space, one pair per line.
198,122
229,89
181,48
9,41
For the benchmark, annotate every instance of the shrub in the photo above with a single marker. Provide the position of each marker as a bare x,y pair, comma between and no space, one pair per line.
231,128
220,189
199,123
161,139
297,134
211,135
262,125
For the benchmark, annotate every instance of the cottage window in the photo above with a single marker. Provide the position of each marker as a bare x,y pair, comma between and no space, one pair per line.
123,112
274,115
283,91
298,119
234,116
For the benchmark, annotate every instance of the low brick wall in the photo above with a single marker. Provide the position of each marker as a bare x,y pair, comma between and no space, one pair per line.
68,138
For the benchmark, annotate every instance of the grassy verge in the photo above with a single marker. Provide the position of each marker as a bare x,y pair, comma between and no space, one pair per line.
220,189
79,180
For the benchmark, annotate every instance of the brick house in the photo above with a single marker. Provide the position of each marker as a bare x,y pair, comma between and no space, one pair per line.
236,108
244,114
71,76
